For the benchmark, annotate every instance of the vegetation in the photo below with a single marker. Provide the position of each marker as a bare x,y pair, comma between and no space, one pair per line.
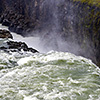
89,20
91,2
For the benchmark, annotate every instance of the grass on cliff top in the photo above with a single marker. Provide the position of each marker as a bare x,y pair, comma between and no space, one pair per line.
91,2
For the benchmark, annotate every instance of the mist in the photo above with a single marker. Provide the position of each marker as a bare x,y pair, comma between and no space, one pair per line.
60,25
56,24
58,30
51,35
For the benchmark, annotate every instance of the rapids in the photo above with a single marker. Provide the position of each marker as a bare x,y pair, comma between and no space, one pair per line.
47,76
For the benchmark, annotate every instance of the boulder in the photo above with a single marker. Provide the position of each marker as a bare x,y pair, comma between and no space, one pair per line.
20,46
14,46
5,34
6,22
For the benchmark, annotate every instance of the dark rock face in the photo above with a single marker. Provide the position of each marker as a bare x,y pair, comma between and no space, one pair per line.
12,45
15,22
5,34
20,46
5,22
18,16
16,47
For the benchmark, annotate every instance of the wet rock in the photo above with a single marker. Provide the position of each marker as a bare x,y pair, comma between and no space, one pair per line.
32,50
5,34
1,19
6,22
14,46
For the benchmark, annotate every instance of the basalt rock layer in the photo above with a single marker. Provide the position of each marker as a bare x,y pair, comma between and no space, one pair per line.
13,46
77,21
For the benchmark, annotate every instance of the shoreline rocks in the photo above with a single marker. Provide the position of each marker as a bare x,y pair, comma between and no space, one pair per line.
13,46
5,34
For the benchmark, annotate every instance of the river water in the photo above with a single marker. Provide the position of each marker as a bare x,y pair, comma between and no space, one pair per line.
48,76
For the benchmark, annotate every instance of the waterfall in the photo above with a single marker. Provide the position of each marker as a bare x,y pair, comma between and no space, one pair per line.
53,73
60,25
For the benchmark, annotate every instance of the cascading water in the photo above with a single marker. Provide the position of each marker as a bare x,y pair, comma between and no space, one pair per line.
49,76
57,31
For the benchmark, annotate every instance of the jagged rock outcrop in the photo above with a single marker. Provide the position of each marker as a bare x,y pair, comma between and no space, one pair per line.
74,20
5,34
13,46
19,15
88,26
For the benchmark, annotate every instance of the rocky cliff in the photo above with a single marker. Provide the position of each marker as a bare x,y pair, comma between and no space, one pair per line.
76,21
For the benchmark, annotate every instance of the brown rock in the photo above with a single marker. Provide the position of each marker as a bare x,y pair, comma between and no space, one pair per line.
5,34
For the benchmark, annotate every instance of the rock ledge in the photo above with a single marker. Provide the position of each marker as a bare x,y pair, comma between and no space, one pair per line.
13,46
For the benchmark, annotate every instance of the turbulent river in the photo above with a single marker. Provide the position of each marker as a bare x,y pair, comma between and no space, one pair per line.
48,76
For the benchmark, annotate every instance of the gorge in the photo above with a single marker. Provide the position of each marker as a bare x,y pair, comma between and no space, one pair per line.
49,50
62,25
